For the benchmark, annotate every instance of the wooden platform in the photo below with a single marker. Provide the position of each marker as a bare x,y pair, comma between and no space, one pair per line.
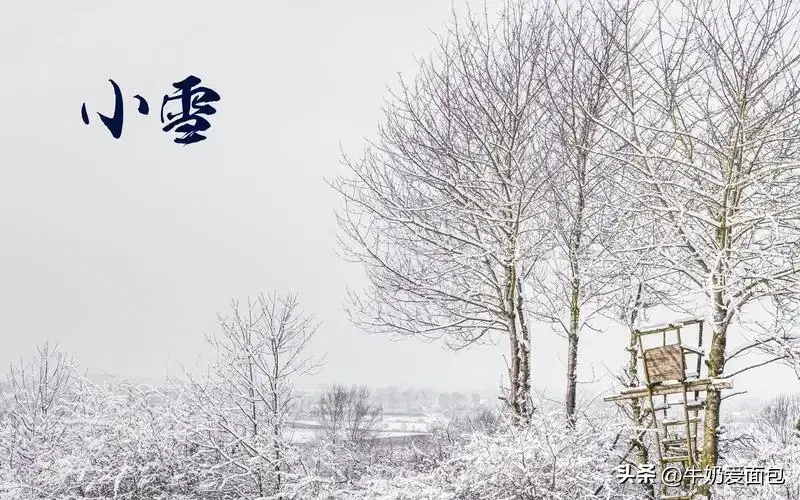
665,388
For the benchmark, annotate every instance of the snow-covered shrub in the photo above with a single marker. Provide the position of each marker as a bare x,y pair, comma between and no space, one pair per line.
770,441
547,460
117,441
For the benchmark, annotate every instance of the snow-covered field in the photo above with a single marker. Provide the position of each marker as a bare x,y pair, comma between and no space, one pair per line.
392,426
307,435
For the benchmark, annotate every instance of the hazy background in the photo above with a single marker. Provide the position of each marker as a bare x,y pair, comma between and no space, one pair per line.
123,251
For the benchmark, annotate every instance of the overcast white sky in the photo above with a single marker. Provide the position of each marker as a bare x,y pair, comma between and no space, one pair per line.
123,251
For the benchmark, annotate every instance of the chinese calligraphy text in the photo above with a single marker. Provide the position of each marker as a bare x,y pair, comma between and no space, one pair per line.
188,118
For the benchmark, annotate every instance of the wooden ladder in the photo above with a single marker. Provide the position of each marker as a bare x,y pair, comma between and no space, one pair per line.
676,437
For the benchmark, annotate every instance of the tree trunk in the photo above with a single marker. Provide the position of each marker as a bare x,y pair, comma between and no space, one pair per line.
575,247
519,370
524,351
716,364
572,350
275,387
716,357
572,376
253,416
642,454
636,443
276,431
513,374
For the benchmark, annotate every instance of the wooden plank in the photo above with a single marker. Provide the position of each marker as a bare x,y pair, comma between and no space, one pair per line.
672,325
676,441
665,363
672,388
693,350
681,421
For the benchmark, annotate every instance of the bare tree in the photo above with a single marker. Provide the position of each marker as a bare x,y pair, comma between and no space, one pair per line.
442,209
580,223
249,396
781,416
330,411
347,414
37,402
708,129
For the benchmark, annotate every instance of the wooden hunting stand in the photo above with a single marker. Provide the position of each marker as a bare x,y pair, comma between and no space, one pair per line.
672,370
